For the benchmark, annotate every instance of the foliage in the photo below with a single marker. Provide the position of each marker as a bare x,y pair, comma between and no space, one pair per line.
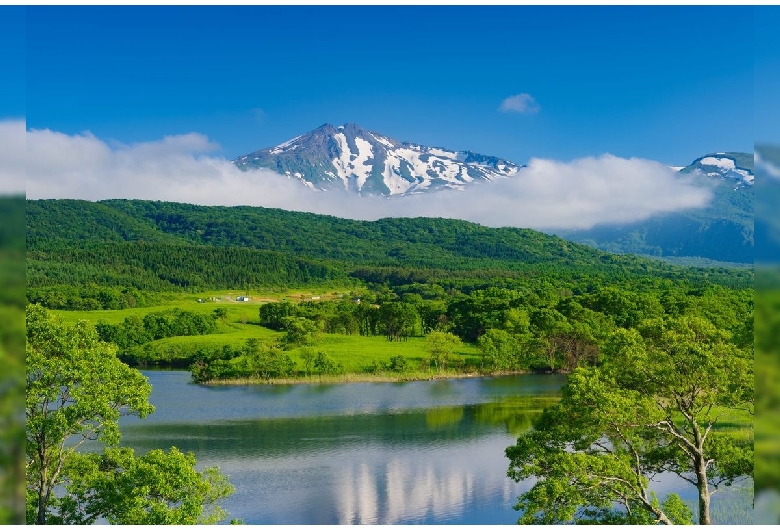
659,403
500,350
441,345
156,488
300,331
157,246
77,390
76,387
156,325
397,364
325,365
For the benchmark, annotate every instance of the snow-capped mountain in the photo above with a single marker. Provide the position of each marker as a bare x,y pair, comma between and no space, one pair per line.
351,158
725,166
723,230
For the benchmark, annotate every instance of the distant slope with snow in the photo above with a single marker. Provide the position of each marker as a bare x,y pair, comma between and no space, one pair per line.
352,159
722,231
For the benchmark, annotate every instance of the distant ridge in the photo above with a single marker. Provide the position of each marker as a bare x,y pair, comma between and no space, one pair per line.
722,231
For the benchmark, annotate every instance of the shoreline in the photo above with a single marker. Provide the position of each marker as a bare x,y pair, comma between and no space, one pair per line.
366,378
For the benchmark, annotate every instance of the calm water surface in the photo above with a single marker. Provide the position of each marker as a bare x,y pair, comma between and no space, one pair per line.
360,453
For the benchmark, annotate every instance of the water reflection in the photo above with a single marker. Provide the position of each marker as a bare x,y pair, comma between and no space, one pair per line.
418,452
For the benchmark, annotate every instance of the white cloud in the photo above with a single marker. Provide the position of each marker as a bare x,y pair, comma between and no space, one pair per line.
12,157
546,195
766,166
520,104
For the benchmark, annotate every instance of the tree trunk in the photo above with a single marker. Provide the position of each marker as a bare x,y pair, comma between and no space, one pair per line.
704,493
700,467
41,519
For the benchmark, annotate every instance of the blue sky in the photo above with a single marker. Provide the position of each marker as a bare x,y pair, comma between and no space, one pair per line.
664,83
767,75
12,62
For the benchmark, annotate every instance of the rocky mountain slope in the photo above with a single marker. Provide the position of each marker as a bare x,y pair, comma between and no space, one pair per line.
353,159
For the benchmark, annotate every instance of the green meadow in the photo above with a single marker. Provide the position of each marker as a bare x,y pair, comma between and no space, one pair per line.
361,357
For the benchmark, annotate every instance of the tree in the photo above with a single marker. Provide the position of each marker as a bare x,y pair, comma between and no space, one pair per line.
549,325
265,360
300,331
398,319
441,345
325,364
77,390
308,354
498,349
156,488
656,405
272,313
220,314
397,364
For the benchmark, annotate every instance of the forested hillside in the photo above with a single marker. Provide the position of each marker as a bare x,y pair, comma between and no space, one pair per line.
170,246
519,299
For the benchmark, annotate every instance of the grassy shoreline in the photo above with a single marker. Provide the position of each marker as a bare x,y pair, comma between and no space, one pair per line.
360,378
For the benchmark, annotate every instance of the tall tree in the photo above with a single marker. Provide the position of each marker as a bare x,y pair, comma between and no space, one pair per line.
658,404
441,345
77,389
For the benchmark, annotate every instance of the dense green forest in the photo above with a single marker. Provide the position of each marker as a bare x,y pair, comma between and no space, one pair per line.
169,246
526,300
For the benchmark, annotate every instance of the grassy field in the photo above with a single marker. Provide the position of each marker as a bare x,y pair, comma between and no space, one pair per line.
246,312
355,353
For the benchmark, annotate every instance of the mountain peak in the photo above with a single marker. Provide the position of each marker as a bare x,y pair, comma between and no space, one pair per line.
350,158
724,165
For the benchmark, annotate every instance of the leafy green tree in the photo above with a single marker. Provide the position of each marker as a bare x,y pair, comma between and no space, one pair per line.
433,315
273,313
325,365
441,345
656,405
308,354
398,319
397,364
300,331
498,348
265,360
550,326
220,314
76,390
156,488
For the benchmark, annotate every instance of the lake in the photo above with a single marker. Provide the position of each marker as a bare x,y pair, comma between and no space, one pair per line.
421,452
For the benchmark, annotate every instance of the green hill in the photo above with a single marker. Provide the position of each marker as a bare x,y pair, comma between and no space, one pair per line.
158,245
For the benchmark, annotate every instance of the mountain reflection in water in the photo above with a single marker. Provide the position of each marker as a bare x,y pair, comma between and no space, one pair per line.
362,453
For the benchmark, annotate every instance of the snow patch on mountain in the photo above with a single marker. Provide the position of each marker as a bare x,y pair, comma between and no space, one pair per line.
351,158
392,175
286,146
725,163
382,140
